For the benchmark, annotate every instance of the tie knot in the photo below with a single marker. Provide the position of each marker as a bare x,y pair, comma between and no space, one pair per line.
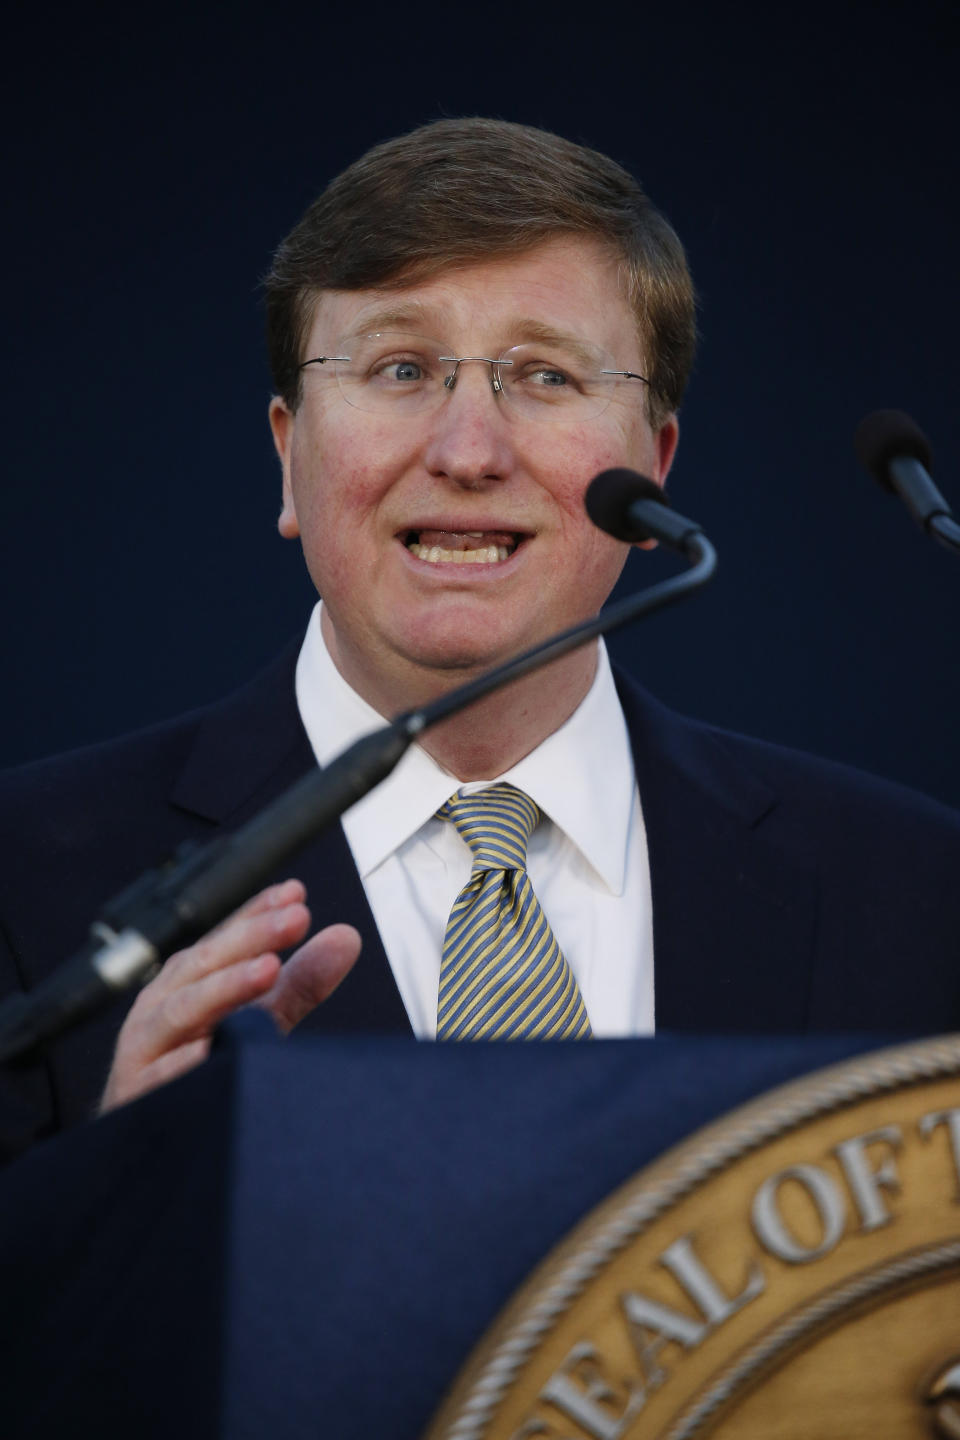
496,823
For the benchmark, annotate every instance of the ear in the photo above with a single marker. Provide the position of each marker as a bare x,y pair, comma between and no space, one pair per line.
282,422
666,447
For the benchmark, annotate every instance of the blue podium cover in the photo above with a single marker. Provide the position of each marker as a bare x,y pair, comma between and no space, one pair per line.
307,1238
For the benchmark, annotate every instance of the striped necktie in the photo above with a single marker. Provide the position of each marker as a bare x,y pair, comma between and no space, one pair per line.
503,976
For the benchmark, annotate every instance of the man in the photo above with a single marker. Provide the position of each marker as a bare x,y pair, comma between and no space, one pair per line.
470,323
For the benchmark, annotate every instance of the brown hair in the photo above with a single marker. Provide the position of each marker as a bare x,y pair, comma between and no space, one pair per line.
458,191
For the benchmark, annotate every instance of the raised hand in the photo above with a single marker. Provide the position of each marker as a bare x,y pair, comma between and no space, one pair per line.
171,1023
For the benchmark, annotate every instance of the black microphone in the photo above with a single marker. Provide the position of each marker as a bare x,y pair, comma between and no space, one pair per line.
173,905
895,451
632,507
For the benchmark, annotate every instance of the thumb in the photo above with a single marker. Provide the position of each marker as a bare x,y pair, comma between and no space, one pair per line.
311,974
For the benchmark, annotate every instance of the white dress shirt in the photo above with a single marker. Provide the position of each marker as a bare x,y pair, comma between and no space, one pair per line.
587,859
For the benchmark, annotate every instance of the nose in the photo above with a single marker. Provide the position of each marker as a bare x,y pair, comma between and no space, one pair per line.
470,440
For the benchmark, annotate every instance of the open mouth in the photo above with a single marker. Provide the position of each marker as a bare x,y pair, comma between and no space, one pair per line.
463,547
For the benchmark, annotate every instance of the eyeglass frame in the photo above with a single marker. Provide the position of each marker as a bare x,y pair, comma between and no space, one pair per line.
450,381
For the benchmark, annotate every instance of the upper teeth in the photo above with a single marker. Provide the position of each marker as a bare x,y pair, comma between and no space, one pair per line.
488,555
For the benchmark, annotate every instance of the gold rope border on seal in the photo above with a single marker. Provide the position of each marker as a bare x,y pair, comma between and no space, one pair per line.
825,1311
661,1184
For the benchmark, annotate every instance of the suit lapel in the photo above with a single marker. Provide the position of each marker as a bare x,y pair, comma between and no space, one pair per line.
247,751
734,900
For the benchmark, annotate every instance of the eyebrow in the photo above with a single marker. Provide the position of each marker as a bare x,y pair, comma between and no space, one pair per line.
538,333
389,317
525,330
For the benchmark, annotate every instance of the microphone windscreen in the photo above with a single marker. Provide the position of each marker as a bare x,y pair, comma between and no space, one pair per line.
610,495
887,435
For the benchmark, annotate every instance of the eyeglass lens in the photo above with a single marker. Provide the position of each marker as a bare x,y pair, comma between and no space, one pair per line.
401,373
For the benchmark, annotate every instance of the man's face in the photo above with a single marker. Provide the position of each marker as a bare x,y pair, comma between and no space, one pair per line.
360,487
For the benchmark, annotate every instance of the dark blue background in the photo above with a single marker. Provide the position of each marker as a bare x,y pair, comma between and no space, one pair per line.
807,159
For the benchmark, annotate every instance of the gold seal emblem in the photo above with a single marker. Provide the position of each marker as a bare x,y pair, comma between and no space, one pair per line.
791,1271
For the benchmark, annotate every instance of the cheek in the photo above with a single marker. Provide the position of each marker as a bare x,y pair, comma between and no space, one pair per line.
614,439
597,558
333,483
571,473
625,441
603,563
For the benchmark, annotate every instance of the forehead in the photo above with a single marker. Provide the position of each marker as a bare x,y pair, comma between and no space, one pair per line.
570,285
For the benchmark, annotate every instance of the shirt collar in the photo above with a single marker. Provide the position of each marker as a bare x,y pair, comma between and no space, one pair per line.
581,776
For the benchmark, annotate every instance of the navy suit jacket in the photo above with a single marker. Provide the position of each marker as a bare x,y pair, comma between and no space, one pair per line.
789,894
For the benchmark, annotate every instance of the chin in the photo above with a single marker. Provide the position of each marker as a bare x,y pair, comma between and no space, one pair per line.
458,662
459,642
449,650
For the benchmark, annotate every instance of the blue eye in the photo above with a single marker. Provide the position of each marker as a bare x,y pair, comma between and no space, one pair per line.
545,375
403,370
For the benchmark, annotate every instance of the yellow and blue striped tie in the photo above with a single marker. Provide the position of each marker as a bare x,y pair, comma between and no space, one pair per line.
503,975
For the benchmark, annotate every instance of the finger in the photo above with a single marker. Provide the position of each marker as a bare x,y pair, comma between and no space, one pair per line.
200,986
312,974
122,1088
287,892
239,938
193,1011
164,1025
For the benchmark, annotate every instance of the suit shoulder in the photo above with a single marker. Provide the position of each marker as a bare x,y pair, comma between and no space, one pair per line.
758,779
120,776
810,781
83,782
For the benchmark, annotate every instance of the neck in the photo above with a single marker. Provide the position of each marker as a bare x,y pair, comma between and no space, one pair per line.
485,739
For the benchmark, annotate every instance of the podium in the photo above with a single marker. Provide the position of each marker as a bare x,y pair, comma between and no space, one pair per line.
306,1238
